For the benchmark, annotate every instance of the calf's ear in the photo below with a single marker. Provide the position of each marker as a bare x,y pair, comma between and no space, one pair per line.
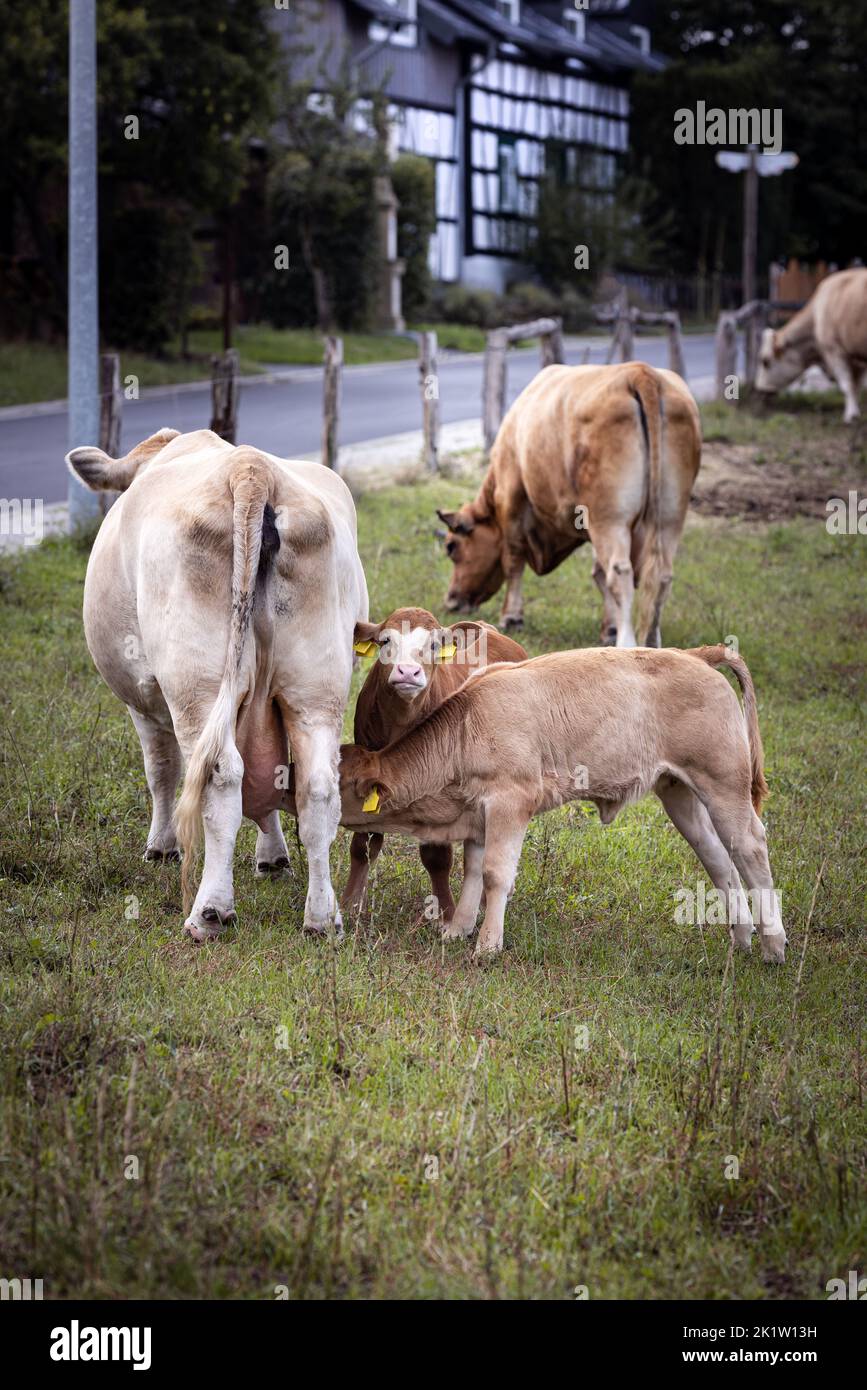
364,637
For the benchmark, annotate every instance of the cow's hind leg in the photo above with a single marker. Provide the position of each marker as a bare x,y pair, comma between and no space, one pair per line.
272,852
608,635
214,905
162,761
613,546
742,832
315,752
437,859
695,825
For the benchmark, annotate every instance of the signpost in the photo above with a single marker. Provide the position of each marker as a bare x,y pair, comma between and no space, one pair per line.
753,165
84,505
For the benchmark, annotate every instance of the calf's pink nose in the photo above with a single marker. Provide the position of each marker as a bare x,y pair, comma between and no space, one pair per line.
406,671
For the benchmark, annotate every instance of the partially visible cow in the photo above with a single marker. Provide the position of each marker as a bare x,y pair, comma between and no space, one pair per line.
830,331
419,663
221,597
602,726
601,454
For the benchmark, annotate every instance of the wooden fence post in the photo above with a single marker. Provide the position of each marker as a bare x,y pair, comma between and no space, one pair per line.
552,345
430,398
755,328
331,400
110,413
676,361
110,404
726,352
224,394
494,389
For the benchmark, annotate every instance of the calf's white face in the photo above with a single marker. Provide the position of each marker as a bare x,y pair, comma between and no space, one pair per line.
410,654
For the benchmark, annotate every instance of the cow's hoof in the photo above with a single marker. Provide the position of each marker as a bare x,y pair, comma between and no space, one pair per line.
161,856
774,951
272,868
484,952
208,924
332,931
511,621
453,931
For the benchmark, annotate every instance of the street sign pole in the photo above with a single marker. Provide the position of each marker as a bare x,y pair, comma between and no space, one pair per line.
751,226
753,164
83,335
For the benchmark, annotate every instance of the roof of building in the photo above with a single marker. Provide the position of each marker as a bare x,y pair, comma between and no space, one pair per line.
480,25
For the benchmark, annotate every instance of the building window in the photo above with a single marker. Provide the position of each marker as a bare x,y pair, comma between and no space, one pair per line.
576,23
509,9
404,34
507,168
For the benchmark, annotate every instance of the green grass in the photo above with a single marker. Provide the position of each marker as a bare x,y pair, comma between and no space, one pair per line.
37,371
291,347
305,1157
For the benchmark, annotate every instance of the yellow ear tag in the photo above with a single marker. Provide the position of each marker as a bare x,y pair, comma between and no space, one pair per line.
447,653
364,648
372,802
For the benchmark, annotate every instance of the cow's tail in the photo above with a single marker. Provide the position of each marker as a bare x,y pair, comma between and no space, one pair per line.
652,564
721,656
254,539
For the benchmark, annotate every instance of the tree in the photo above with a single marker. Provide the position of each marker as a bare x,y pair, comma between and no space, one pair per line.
806,57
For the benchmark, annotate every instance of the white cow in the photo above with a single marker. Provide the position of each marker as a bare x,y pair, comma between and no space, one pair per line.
830,331
220,602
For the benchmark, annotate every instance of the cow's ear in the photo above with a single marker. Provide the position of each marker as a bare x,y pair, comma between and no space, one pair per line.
99,472
459,522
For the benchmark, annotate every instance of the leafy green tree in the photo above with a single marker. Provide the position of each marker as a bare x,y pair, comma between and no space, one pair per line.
414,183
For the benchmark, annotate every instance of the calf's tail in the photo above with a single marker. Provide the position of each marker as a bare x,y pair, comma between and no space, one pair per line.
721,656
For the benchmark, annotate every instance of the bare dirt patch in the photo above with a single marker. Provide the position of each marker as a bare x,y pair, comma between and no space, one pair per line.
746,481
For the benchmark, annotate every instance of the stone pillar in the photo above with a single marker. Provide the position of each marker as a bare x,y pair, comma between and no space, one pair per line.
389,312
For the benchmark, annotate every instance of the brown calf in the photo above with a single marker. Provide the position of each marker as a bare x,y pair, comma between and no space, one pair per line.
596,725
601,454
418,664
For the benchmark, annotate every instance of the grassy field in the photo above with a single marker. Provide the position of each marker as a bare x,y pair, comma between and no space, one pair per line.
387,1119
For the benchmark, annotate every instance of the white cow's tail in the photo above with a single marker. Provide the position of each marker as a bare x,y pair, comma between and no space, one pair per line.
651,565
254,535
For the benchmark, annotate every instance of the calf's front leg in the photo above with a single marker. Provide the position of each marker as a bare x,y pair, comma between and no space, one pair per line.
363,851
463,922
437,859
504,837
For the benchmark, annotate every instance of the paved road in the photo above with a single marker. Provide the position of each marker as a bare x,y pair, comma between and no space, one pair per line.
284,416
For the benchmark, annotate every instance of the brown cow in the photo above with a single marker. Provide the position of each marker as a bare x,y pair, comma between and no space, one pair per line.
831,331
601,454
595,725
419,663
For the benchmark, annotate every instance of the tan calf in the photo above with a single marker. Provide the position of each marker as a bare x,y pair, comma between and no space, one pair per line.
604,726
418,664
